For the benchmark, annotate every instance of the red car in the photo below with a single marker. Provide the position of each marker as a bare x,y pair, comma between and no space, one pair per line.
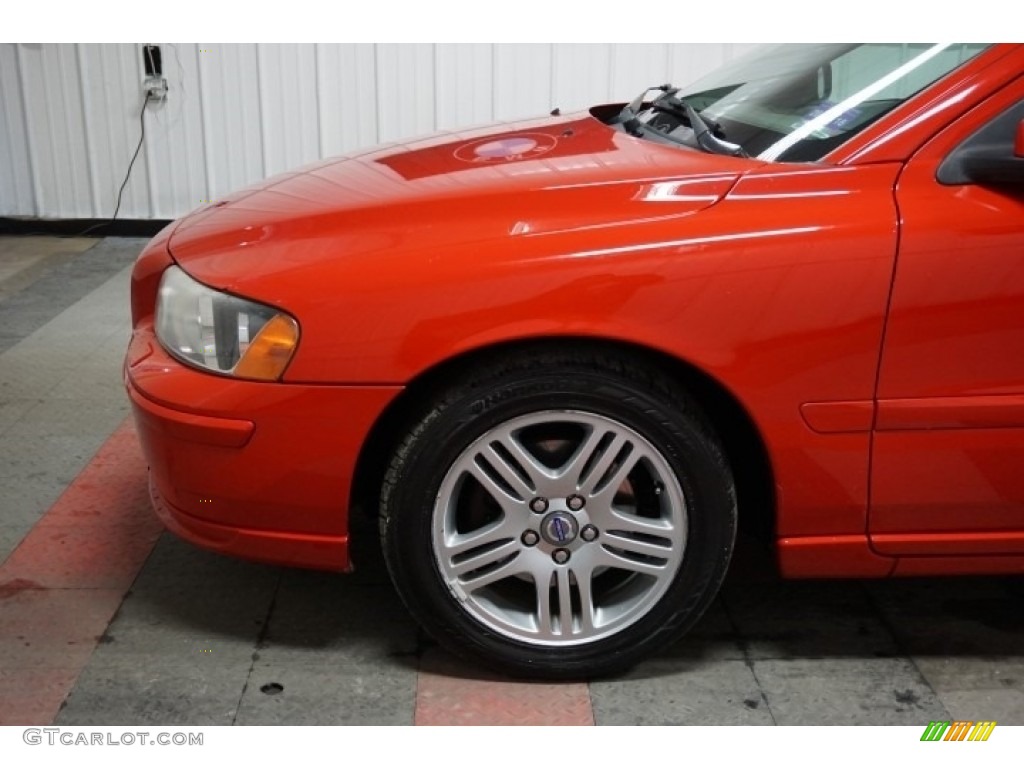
564,360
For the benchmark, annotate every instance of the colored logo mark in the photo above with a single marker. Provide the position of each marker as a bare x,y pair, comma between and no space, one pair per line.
506,148
958,730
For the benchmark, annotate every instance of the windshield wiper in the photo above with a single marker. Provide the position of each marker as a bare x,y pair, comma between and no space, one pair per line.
669,102
702,133
628,115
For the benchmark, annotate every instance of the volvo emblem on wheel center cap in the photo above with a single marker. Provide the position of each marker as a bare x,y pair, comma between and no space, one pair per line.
559,528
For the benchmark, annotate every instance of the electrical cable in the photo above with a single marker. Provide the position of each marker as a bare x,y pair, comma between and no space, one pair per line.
142,138
127,176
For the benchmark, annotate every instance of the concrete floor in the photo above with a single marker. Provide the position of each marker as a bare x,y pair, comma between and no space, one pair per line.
105,620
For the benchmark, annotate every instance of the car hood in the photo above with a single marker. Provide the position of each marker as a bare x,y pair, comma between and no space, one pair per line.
558,182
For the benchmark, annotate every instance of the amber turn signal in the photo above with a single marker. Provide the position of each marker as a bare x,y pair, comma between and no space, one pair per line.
270,352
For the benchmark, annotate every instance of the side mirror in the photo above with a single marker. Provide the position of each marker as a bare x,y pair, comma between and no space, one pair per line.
997,163
994,156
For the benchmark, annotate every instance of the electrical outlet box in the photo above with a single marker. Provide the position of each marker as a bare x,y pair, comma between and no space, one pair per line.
156,88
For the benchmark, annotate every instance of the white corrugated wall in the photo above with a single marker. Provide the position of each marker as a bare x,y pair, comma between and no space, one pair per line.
69,113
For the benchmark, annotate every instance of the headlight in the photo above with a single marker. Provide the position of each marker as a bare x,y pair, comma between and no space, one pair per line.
222,333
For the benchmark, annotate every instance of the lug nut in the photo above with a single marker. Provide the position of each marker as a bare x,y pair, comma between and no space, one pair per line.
560,556
589,533
575,502
539,505
530,538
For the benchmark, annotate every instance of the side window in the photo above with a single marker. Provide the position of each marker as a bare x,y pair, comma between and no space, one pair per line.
989,155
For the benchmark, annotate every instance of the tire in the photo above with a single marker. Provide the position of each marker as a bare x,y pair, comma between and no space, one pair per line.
561,515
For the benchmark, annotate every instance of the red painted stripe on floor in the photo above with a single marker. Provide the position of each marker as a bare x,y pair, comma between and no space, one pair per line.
62,585
444,696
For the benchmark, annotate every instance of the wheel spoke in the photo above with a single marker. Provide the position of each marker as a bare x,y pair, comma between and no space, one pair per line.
637,541
489,557
614,559
491,534
507,470
542,583
513,567
660,548
583,587
610,519
564,602
534,469
498,478
585,454
599,460
560,624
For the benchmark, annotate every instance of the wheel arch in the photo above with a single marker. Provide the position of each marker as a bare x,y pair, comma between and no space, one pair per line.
744,446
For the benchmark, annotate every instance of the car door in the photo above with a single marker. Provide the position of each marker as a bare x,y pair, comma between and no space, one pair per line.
947,472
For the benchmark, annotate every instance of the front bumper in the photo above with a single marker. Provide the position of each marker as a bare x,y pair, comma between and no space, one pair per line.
253,469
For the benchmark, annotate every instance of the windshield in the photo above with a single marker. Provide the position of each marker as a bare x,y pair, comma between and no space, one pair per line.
799,102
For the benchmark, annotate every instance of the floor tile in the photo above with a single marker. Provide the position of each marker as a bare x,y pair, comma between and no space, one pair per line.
681,692
847,692
33,696
978,688
155,694
330,693
322,617
51,627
